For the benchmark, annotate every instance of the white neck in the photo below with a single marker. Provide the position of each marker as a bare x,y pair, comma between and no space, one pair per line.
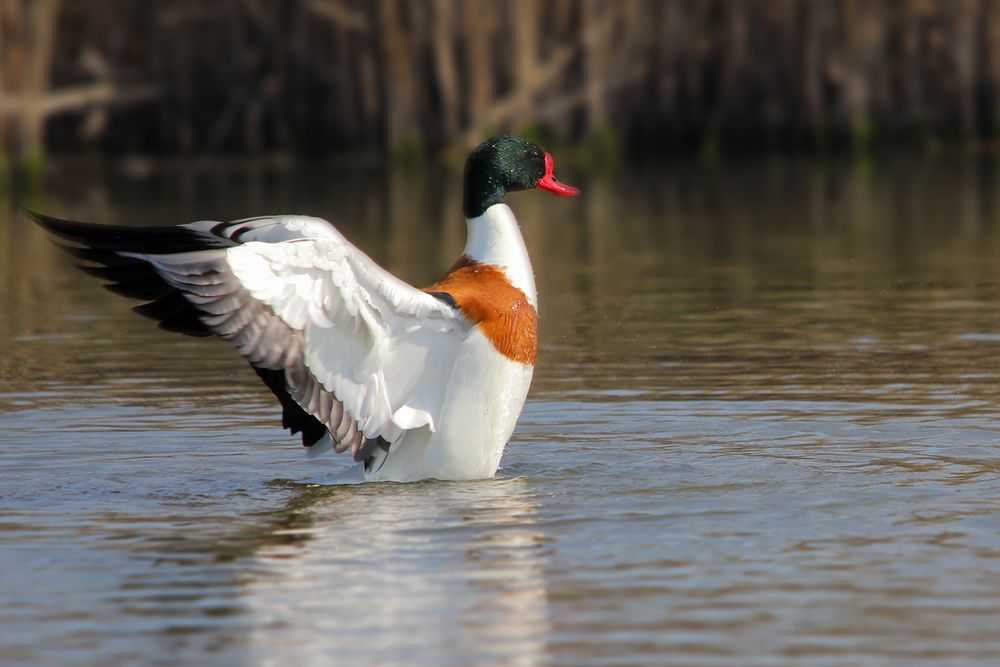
495,238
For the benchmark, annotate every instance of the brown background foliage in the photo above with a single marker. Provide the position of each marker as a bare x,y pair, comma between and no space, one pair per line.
430,76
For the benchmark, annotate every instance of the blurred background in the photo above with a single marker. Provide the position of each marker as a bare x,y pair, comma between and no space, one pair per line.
408,78
763,427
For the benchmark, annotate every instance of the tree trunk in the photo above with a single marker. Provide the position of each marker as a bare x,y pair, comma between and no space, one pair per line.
593,13
525,52
43,16
444,66
398,84
478,27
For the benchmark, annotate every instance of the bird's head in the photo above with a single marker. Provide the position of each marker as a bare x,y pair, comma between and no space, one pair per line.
507,164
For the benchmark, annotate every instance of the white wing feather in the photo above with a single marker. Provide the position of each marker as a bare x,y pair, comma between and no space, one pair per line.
379,346
383,348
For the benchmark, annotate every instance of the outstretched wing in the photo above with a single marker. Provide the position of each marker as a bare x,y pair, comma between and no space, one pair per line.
347,347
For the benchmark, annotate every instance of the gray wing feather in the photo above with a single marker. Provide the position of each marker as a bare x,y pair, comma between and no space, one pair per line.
263,339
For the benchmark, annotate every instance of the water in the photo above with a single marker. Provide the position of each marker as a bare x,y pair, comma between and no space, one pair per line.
763,431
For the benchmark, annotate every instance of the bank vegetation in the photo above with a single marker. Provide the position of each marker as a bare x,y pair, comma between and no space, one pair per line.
431,77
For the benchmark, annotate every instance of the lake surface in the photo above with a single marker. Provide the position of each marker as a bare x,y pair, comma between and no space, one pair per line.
764,430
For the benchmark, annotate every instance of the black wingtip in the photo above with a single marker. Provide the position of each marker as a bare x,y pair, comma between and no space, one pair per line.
64,230
77,232
104,250
47,222
130,239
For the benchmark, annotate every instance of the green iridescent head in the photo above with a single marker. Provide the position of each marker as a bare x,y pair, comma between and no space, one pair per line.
507,164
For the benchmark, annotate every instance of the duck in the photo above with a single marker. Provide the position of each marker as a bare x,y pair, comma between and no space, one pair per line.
416,383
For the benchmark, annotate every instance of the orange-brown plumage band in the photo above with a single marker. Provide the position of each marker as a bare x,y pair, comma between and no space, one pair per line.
500,310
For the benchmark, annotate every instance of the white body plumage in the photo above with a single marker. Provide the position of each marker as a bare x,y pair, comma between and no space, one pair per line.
485,389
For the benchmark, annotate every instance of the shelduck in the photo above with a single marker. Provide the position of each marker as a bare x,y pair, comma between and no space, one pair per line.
415,383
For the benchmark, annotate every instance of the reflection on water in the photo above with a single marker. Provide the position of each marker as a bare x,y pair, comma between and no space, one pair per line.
443,574
763,430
